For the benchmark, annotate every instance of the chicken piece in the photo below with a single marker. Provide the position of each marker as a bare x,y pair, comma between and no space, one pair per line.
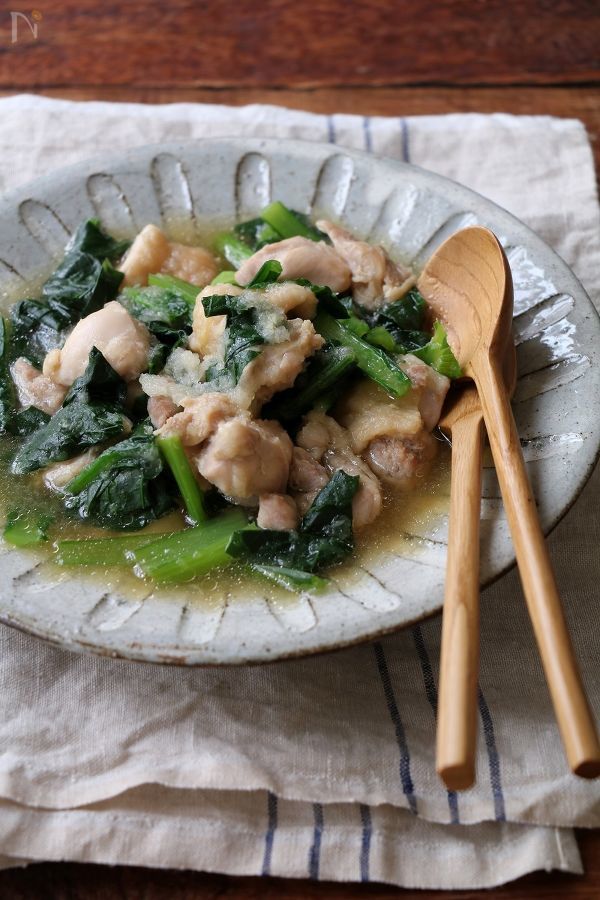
246,458
58,475
401,462
375,278
193,264
300,258
35,389
147,254
368,413
200,418
151,251
207,331
277,366
123,341
391,434
307,478
160,409
277,511
289,296
328,443
429,386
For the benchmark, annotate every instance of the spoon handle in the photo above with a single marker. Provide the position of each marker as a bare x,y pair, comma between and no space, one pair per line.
459,664
573,714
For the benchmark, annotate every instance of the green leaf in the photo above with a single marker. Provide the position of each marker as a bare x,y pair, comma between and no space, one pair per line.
7,393
124,487
328,300
26,421
225,277
324,537
100,383
90,238
291,579
23,529
325,369
243,339
438,355
375,363
289,223
268,273
232,249
256,234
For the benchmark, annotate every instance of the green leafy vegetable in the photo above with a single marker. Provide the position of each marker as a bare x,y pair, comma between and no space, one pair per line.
187,554
23,529
92,412
323,538
325,370
326,298
232,249
404,321
100,383
7,398
185,289
256,234
166,313
225,277
268,273
371,360
193,498
90,238
437,354
26,421
288,223
291,579
83,282
124,487
101,551
242,336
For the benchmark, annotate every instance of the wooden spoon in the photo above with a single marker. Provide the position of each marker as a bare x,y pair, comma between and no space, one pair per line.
468,284
462,419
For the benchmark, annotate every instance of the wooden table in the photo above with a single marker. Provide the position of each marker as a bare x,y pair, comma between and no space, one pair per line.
370,57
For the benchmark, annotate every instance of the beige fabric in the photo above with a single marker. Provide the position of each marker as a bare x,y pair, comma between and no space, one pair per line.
312,767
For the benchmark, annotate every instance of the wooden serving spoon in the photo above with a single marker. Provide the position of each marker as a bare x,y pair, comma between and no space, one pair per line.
468,284
462,419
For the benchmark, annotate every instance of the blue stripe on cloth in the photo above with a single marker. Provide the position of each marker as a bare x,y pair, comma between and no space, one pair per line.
404,140
270,832
493,757
365,842
314,856
390,699
367,134
432,696
331,130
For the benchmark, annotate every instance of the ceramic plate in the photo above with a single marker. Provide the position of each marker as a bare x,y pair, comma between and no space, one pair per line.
213,182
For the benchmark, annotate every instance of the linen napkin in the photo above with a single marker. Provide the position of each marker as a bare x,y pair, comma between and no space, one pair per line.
320,767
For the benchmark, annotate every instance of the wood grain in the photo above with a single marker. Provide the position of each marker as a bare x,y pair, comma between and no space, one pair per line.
284,42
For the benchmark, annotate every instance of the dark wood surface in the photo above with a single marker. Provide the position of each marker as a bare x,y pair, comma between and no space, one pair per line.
401,57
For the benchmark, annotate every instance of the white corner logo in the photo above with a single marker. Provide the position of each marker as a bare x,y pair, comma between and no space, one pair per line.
32,21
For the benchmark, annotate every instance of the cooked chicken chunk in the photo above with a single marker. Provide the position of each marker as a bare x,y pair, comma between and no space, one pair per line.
278,365
290,297
123,341
277,511
246,458
35,389
151,251
300,258
328,443
402,461
375,278
307,478
160,409
199,418
391,434
207,331
58,475
429,386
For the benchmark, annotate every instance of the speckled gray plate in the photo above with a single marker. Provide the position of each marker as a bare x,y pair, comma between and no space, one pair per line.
556,403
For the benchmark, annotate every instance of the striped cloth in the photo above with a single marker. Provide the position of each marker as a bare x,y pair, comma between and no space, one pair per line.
321,767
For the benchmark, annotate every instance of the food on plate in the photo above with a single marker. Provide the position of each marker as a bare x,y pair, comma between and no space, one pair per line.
272,388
